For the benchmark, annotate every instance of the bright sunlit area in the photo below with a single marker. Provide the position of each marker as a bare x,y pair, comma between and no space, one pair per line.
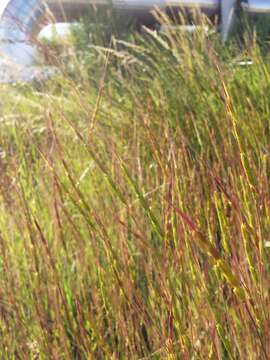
59,30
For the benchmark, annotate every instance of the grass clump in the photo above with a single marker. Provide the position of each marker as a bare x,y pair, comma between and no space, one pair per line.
134,214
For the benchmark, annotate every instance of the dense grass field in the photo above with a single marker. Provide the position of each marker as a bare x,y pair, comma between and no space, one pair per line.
135,204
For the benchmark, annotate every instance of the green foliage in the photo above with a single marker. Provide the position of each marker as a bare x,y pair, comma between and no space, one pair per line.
134,215
253,26
99,25
261,24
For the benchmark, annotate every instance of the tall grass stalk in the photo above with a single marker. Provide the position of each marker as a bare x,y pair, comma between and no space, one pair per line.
135,214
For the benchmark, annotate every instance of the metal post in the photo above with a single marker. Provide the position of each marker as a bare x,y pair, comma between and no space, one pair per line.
227,16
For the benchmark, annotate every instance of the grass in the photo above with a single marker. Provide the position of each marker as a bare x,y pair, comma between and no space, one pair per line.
135,205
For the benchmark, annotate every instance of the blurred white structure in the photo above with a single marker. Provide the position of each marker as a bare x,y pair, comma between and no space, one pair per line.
58,29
